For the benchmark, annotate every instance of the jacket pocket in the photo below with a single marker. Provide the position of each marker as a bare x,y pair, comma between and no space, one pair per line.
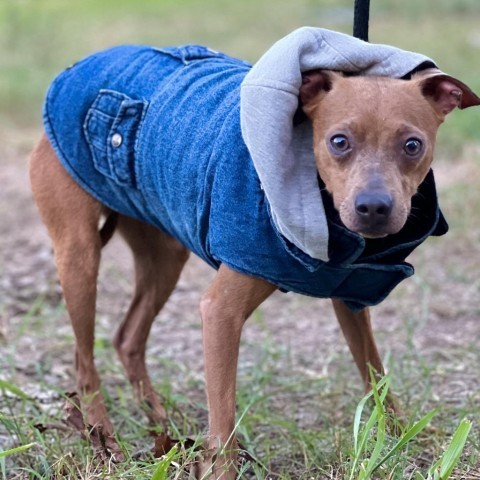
111,127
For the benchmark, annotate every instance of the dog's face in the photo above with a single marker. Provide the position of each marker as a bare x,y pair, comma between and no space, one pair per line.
374,140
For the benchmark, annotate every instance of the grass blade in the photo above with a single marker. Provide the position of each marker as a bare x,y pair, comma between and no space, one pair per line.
411,433
162,468
19,449
380,441
384,382
379,398
10,387
363,441
454,450
357,419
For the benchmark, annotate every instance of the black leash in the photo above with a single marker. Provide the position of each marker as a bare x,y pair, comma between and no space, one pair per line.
361,16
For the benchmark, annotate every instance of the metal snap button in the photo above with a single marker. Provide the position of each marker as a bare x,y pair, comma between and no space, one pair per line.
117,140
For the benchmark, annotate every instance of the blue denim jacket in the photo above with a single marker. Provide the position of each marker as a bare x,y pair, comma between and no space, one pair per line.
155,134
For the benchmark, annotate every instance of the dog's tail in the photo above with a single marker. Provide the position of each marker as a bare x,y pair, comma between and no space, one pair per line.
108,228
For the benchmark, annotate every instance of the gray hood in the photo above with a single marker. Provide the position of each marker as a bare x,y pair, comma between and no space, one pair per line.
282,154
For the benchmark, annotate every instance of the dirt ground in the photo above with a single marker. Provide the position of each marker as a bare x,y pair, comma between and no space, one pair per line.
429,324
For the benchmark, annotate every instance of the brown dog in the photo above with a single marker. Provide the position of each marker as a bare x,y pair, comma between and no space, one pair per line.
374,140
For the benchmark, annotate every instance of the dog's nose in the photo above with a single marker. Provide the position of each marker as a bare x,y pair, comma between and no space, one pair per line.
373,207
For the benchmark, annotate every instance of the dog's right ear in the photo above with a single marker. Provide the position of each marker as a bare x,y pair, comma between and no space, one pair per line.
314,82
445,92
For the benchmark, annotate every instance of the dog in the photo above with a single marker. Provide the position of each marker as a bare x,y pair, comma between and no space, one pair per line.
373,142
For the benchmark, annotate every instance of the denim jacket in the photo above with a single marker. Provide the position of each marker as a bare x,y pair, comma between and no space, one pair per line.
155,134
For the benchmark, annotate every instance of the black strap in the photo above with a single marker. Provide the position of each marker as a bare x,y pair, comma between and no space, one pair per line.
360,19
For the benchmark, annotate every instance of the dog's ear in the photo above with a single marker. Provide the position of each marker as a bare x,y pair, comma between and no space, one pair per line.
446,92
314,82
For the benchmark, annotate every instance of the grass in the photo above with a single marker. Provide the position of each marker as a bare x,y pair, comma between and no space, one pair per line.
299,399
325,447
298,424
38,38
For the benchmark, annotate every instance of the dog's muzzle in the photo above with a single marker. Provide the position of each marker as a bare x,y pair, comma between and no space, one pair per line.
373,211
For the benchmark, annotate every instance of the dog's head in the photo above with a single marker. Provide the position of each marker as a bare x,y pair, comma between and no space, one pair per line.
374,139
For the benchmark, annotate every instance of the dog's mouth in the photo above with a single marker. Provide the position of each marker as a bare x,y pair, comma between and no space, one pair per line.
376,231
372,234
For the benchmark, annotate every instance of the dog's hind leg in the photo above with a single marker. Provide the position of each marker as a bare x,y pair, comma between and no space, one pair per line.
357,330
158,260
71,217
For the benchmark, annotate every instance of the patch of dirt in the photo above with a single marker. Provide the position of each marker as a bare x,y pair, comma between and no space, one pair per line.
433,317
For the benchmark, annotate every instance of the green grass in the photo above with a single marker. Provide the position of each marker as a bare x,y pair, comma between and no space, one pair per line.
38,38
341,438
298,424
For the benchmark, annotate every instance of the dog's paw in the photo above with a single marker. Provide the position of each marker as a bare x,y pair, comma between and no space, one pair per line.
215,464
104,444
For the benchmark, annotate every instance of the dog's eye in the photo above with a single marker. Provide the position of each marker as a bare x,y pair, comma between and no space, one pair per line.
340,143
413,146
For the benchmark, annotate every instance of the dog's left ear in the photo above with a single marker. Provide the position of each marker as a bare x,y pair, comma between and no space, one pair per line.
446,92
313,82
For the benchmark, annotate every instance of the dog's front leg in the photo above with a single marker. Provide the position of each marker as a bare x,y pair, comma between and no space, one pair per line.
225,306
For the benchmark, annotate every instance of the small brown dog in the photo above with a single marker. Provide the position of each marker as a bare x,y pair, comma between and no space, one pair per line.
374,140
